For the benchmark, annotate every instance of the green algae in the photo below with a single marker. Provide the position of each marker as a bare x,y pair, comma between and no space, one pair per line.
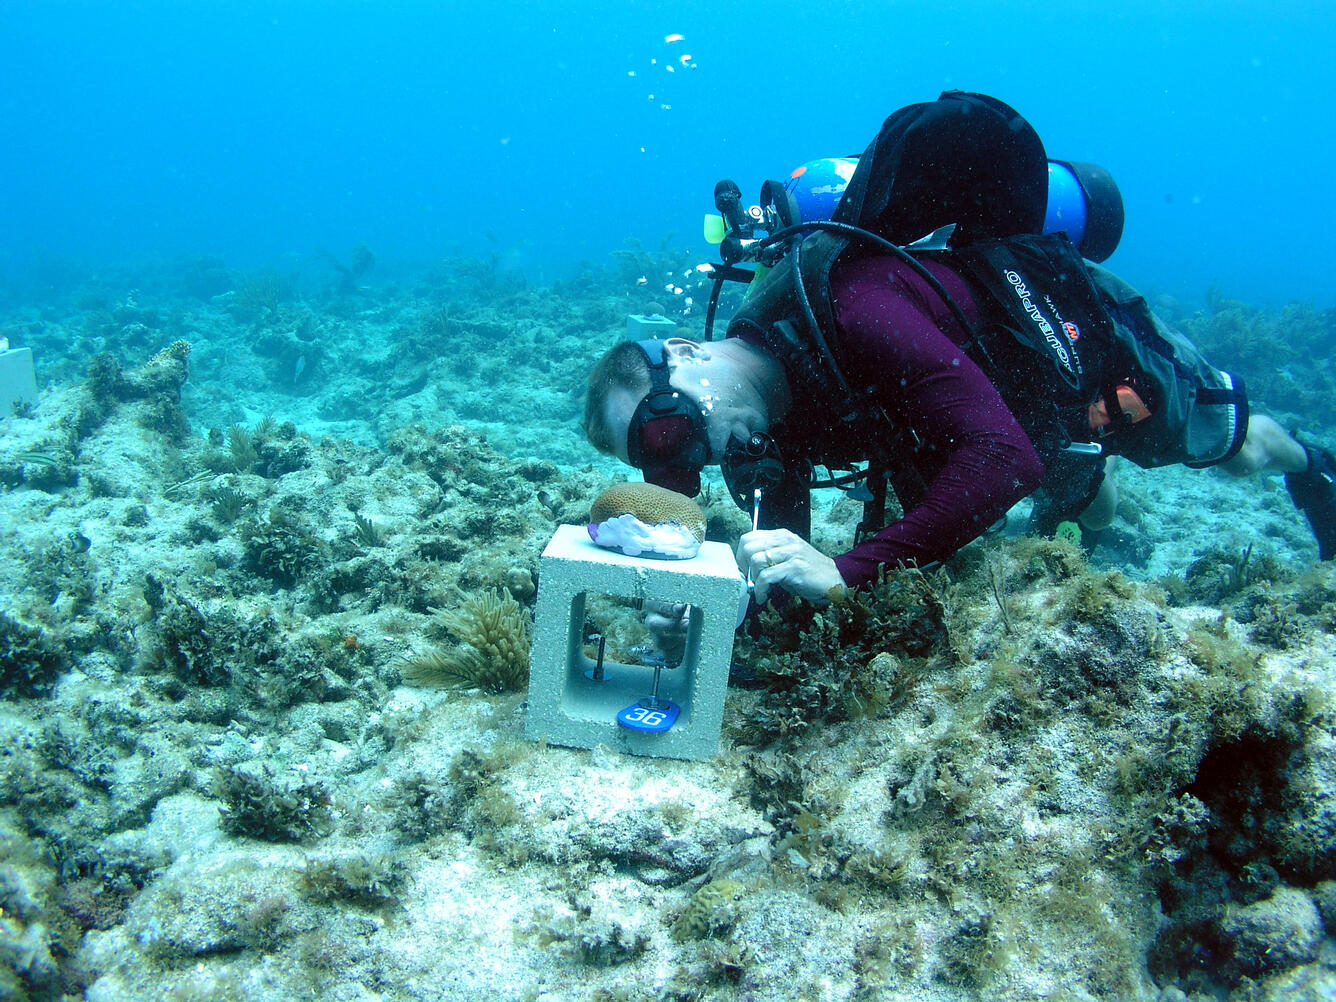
29,662
825,664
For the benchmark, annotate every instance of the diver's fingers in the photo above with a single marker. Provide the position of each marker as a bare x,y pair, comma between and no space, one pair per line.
799,568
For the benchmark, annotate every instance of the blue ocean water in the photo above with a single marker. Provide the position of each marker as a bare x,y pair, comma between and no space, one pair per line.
548,133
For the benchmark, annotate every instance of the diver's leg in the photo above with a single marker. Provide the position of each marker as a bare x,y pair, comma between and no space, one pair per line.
1098,514
1267,448
1310,474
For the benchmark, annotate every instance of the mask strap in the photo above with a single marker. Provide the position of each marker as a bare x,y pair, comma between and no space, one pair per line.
657,358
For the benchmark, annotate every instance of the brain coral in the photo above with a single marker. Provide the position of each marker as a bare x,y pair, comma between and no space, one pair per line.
644,520
651,504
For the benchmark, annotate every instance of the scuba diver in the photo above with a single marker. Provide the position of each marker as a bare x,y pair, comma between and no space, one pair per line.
932,309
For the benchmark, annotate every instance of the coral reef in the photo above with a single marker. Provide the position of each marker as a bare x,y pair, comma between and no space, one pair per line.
1026,774
1264,343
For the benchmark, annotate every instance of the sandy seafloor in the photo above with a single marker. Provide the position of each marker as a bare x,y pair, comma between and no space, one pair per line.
244,503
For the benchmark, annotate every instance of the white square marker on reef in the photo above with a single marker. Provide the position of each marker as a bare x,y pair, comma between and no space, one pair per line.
570,706
18,382
641,326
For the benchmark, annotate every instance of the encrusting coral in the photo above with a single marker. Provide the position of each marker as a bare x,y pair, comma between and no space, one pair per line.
710,910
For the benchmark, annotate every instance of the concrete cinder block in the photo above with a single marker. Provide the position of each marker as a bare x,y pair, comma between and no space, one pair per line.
567,708
643,326
18,381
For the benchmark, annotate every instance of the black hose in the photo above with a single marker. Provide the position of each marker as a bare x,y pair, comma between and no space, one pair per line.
865,236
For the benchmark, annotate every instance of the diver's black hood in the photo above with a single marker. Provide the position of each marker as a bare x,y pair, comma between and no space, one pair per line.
967,159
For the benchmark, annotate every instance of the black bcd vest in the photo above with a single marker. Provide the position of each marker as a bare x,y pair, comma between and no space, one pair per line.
1044,340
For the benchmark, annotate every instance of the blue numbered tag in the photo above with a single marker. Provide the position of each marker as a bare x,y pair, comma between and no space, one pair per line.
648,719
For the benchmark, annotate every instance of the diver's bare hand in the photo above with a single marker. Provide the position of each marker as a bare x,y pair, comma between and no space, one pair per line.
668,622
780,557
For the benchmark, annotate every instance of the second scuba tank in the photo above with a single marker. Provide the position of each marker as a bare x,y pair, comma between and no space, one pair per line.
1084,201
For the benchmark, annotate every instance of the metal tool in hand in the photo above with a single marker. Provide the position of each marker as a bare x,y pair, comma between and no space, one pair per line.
756,519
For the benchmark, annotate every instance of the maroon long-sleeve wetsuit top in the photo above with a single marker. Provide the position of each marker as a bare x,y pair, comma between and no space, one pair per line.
896,334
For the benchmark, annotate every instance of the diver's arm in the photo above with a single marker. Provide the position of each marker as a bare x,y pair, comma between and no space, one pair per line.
893,334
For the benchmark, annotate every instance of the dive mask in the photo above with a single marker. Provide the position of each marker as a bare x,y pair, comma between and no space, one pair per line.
667,439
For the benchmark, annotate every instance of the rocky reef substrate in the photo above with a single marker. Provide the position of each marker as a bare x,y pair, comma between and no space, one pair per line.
1021,776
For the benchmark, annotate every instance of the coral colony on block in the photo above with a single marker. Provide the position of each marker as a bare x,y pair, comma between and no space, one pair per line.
264,662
